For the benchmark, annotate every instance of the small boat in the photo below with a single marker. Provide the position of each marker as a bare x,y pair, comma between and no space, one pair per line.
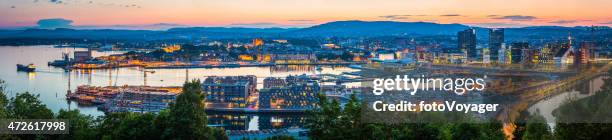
26,68
319,68
98,101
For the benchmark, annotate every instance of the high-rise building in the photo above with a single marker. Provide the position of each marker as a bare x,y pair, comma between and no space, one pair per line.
503,51
517,50
496,38
467,42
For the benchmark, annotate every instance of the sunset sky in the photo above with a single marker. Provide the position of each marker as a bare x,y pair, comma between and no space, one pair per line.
304,13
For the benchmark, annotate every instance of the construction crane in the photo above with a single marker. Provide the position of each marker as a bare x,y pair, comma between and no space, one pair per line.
144,72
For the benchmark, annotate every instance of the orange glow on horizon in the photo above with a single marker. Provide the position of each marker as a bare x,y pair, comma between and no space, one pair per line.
304,13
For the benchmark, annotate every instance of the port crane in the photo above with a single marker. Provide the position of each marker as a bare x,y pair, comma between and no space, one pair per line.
144,73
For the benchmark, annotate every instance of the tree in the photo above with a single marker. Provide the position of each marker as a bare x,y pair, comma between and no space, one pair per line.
347,56
329,121
187,119
136,126
27,106
586,118
493,130
3,102
4,114
537,129
80,126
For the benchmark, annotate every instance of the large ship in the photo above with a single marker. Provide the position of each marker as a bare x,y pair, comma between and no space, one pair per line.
26,68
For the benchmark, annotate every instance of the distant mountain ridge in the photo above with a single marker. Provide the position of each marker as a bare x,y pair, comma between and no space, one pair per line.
378,28
351,28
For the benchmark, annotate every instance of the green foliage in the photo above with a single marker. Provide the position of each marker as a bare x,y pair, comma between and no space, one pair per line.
583,131
586,118
3,102
183,120
81,126
130,126
187,118
330,121
27,106
537,129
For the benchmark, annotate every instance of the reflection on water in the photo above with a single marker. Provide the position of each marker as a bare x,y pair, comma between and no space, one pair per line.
31,75
242,121
52,83
546,107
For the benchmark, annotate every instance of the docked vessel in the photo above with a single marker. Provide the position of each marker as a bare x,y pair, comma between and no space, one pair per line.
26,68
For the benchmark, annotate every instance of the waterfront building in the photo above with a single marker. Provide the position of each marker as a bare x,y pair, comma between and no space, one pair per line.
496,39
270,82
139,101
293,58
385,56
228,91
297,94
467,42
82,56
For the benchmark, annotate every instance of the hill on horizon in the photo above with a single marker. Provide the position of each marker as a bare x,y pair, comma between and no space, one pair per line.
351,28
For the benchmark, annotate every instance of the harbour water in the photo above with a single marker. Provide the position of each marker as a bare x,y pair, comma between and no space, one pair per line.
52,83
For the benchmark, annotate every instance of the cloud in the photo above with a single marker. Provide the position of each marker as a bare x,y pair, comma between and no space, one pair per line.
516,17
124,4
267,25
497,25
492,15
609,22
395,17
301,20
564,21
255,25
55,1
450,15
54,23
157,26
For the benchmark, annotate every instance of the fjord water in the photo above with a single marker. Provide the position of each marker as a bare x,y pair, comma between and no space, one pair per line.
51,83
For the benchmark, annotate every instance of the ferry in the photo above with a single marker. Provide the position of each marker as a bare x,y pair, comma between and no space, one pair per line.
26,68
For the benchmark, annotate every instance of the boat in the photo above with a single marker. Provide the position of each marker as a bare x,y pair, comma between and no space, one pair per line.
26,68
355,66
98,101
64,62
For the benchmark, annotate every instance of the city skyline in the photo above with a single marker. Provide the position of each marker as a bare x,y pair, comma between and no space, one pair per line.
277,13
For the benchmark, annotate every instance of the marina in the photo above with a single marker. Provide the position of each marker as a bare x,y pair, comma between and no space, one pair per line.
52,83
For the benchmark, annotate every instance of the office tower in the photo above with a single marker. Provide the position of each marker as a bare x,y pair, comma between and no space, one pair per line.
496,38
517,50
467,42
